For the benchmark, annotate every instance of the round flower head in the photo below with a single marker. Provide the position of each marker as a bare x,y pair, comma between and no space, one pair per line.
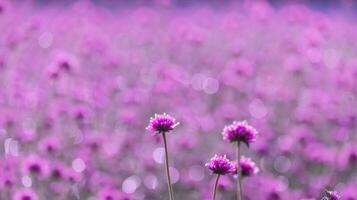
332,195
220,165
108,193
240,132
25,194
7,180
34,165
247,167
57,171
161,123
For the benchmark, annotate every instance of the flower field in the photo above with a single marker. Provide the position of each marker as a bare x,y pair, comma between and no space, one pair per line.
260,102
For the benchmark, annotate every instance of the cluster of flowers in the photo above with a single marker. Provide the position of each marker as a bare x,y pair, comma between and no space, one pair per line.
238,132
78,83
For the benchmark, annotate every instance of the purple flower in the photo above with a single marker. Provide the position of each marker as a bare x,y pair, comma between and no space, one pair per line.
108,194
7,180
247,167
220,165
240,132
65,62
49,145
57,171
161,123
25,194
34,165
332,195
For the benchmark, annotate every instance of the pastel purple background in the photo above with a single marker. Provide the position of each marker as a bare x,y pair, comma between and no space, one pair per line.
79,82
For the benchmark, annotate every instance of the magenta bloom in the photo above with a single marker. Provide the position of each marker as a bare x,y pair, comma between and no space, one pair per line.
247,167
240,132
25,194
220,165
161,123
332,195
34,165
108,193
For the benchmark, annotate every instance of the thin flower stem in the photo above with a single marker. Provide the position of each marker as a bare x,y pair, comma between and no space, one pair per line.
239,178
215,187
171,193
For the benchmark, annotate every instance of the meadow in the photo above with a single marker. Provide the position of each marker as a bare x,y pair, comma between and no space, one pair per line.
80,82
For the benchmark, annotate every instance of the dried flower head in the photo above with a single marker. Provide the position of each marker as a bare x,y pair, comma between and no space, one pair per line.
161,123
220,165
240,132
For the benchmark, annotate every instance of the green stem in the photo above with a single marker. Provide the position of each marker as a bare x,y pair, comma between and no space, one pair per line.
215,187
239,178
169,185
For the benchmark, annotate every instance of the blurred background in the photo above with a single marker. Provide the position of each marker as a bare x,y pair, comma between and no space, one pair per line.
79,81
320,4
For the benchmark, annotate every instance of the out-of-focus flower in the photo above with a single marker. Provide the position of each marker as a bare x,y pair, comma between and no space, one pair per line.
247,167
73,177
225,183
49,145
240,132
57,171
34,165
7,180
220,165
108,194
65,62
163,123
348,157
25,194
349,191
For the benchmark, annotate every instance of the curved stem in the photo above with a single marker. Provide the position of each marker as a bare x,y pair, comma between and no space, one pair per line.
215,187
171,193
239,178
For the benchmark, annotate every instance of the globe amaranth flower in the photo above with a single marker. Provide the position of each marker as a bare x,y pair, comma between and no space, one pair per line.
161,123
332,195
7,180
220,165
108,193
57,171
35,165
240,132
25,194
247,167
